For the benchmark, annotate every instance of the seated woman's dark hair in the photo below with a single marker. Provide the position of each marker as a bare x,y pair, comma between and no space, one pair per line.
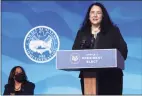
12,74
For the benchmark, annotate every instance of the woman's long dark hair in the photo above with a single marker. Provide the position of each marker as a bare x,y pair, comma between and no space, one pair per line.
12,74
106,22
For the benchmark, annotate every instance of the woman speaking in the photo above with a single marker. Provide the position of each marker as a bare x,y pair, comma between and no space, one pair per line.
98,32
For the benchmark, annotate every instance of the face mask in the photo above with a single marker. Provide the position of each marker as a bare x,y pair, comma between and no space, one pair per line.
20,77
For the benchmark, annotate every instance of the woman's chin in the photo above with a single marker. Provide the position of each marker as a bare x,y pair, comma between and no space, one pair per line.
95,23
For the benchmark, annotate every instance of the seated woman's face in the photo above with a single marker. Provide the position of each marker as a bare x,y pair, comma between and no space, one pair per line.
95,15
18,70
19,76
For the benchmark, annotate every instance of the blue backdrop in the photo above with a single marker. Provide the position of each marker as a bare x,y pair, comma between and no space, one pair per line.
65,18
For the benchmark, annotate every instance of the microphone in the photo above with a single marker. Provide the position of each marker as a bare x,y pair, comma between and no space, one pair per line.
82,45
87,43
92,41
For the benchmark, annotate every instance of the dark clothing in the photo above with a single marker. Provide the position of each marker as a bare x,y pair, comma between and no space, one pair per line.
112,39
110,84
107,84
27,88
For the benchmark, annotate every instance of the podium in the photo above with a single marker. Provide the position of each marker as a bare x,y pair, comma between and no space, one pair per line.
75,60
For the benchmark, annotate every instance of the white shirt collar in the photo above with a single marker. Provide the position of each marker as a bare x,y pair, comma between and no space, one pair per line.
95,33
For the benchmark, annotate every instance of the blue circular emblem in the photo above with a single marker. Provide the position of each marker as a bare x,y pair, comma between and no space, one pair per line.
41,44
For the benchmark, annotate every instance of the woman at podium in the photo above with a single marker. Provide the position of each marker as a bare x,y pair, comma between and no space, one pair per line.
18,83
99,32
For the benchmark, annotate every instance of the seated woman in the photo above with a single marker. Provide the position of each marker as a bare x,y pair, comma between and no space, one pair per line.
18,83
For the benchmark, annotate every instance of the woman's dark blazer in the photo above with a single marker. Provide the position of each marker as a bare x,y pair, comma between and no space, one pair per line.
26,89
112,39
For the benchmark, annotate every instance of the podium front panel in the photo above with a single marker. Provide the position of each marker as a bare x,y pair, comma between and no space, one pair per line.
94,58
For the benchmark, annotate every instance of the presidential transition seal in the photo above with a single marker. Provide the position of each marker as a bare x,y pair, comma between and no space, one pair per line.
41,44
74,58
